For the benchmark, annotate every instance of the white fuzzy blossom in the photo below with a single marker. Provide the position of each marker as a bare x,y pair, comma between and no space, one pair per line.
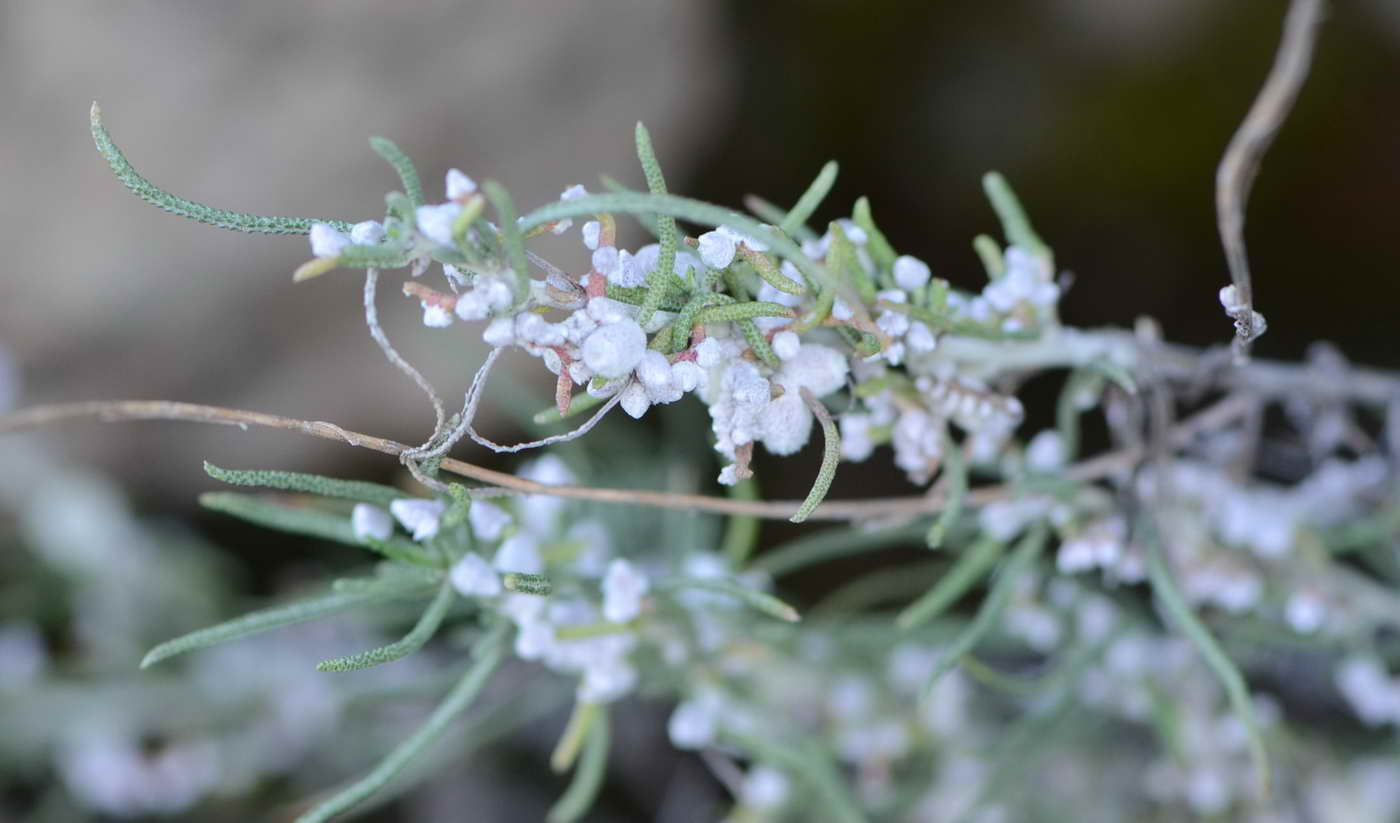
613,350
420,517
488,521
910,273
459,185
472,576
624,586
370,522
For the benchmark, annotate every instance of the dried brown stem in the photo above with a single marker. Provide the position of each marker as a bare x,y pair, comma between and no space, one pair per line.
1213,417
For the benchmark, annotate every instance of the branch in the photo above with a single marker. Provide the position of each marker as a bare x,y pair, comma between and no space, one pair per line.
1240,164
1220,414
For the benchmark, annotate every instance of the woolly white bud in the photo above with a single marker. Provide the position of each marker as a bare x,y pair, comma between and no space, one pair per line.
472,576
473,306
1229,298
421,517
786,424
654,370
709,353
615,349
519,553
910,273
635,400
435,222
820,369
624,586
738,237
786,344
488,520
532,328
573,192
687,375
1046,452
717,249
436,317
459,185
605,310
920,337
371,522
326,241
592,230
606,680
367,233
765,788
500,332
841,310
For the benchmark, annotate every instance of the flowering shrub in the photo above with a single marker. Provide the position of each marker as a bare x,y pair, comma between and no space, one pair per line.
1156,614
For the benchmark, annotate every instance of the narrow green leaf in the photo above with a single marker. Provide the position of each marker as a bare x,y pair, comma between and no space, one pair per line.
766,603
208,215
831,544
312,523
420,634
741,532
310,483
842,259
734,312
588,777
1014,223
1164,586
956,472
758,342
880,249
511,232
461,696
570,743
764,267
831,456
993,605
974,562
659,281
991,256
810,762
265,619
810,200
772,213
408,175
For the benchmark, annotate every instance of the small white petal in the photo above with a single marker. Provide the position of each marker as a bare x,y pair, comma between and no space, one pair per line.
436,317
717,249
372,522
488,520
421,517
519,553
910,273
472,576
591,232
459,185
786,344
1046,452
573,192
615,349
326,241
435,222
624,586
687,375
367,233
499,332
635,400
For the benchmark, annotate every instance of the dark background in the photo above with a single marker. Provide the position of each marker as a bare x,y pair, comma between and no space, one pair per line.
1108,117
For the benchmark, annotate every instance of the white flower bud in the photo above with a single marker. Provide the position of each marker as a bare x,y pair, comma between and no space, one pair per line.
436,317
499,332
786,424
717,249
472,576
694,723
910,273
920,337
487,519
421,517
615,349
765,788
709,353
592,230
635,400
1046,452
817,368
367,233
786,344
624,586
654,370
472,306
519,553
686,375
435,222
459,185
326,241
371,522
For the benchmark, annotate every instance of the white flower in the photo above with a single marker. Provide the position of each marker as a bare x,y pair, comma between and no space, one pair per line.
436,317
519,553
624,586
615,349
327,241
421,517
694,722
686,375
786,424
366,233
499,332
717,249
371,522
1305,612
473,306
654,370
573,192
786,344
743,238
472,576
1230,300
910,273
920,337
606,679
765,788
856,441
1046,452
435,222
488,520
817,368
459,185
635,400
592,230
709,353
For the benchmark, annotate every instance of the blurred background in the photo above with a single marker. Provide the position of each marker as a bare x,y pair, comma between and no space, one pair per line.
1108,117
